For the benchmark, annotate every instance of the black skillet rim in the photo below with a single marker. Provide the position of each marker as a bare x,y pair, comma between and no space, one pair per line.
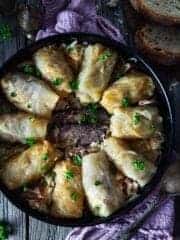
169,127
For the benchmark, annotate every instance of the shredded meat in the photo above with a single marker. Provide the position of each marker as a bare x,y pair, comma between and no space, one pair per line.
77,135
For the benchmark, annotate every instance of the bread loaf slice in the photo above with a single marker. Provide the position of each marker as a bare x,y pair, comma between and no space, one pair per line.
160,43
166,12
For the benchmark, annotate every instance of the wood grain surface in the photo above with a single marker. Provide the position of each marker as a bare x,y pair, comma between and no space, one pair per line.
24,227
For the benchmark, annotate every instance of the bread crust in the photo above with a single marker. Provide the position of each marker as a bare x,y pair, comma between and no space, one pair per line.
140,6
160,56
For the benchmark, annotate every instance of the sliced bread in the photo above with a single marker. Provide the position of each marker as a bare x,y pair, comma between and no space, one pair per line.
166,12
160,43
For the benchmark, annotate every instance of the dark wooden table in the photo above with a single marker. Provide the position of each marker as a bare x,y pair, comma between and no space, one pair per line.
26,228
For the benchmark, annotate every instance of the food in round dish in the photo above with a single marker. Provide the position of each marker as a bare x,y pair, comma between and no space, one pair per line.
84,134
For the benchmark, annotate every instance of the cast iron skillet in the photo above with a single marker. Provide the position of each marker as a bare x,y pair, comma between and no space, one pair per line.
163,104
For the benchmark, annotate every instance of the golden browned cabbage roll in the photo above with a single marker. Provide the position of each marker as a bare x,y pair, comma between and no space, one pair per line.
29,94
100,186
74,53
29,165
137,122
68,195
96,70
130,163
52,64
19,127
131,88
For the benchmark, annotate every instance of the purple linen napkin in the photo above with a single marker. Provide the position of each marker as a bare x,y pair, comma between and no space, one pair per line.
80,16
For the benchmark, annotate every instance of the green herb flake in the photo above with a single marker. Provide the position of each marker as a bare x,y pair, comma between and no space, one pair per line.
45,156
136,118
125,102
69,175
57,81
74,196
104,56
77,159
74,85
70,48
90,117
139,164
30,141
5,32
29,105
4,231
92,108
97,183
13,94
31,69
32,119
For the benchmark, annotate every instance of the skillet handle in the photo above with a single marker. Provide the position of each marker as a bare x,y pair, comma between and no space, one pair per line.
171,180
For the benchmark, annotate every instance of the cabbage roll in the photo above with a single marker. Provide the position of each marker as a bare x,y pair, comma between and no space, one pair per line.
130,89
74,53
29,166
53,66
130,163
68,195
96,70
19,127
137,122
29,94
100,185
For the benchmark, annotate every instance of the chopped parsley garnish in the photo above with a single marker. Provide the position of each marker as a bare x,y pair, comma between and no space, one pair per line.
77,159
69,175
5,32
90,117
30,141
104,56
32,119
139,164
30,69
97,183
74,196
136,118
125,102
74,85
4,231
69,48
45,156
13,94
29,105
57,81
92,107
